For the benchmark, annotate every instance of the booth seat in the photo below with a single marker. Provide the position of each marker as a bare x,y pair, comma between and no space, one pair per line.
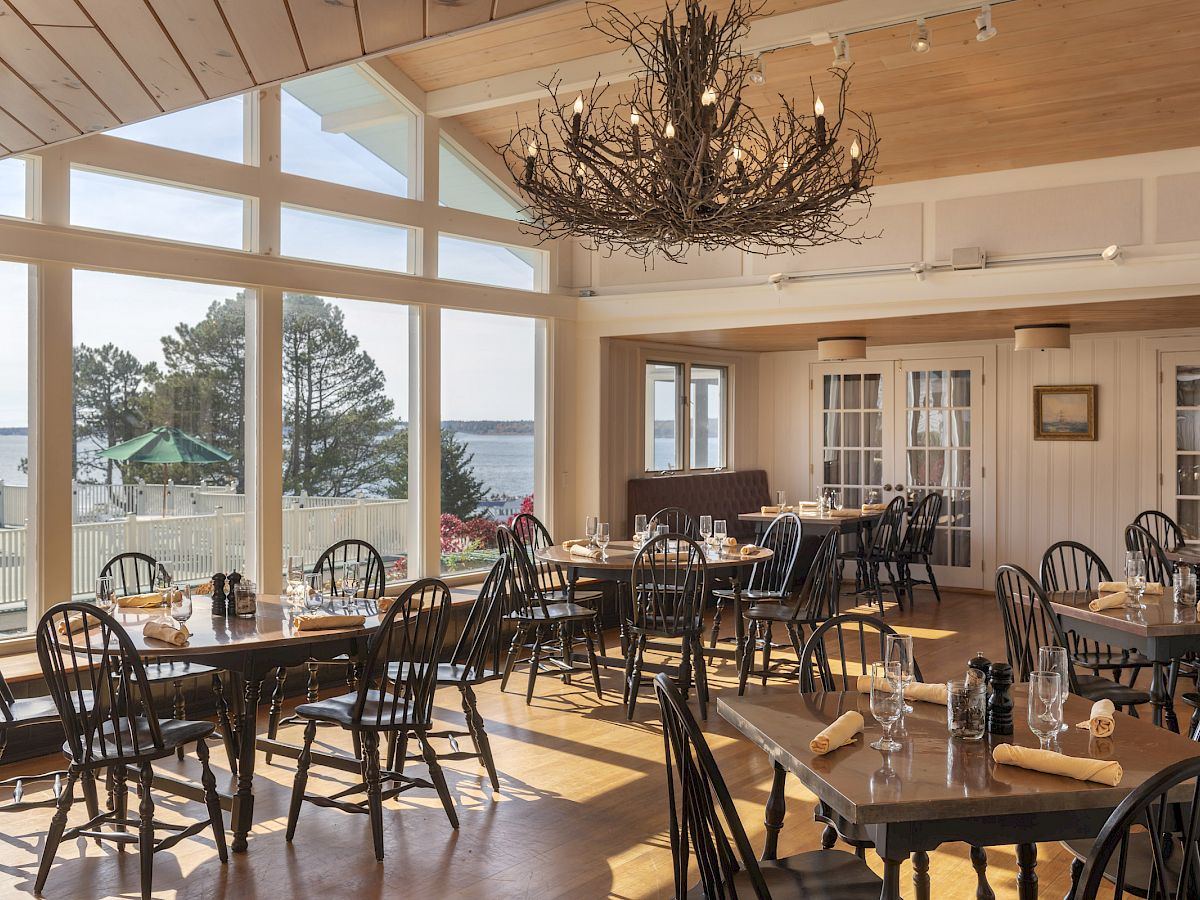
722,495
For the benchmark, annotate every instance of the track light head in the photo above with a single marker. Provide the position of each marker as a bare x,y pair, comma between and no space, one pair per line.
1112,253
984,29
841,51
758,75
918,270
921,43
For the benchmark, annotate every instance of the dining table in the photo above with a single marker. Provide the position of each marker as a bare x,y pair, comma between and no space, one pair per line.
845,521
249,649
937,789
1162,631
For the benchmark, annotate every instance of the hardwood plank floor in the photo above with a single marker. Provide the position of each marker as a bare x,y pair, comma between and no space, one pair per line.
581,812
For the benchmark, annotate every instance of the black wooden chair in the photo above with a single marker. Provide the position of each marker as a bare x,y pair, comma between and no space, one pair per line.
669,582
410,632
134,573
1030,622
329,567
705,829
678,521
539,620
817,601
1150,845
1162,528
476,659
1072,566
882,551
115,731
1158,567
916,547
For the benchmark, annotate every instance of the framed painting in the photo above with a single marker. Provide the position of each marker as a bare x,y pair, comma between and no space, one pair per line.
1065,412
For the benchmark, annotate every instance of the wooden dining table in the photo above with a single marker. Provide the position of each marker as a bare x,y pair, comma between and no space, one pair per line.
1162,632
853,521
249,649
937,789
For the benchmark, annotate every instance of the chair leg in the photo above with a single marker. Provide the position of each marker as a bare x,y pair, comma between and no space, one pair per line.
120,802
746,663
314,682
146,829
535,661
1076,874
371,778
439,778
794,635
225,721
301,780
716,622
566,635
276,709
87,781
766,656
518,641
685,669
179,709
589,638
476,725
701,668
933,581
54,835
212,800
635,677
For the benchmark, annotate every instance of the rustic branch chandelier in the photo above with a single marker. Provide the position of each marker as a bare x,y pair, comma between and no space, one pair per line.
682,161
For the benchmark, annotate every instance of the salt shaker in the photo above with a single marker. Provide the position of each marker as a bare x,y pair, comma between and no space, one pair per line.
1000,704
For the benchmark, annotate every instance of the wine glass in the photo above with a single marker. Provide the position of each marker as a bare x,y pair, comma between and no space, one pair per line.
873,496
295,577
1135,578
835,498
106,593
1054,659
603,535
641,524
720,532
887,701
162,579
660,530
781,499
898,648
314,598
589,528
351,582
1045,705
181,601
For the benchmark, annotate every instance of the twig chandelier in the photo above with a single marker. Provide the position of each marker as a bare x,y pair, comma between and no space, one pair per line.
682,162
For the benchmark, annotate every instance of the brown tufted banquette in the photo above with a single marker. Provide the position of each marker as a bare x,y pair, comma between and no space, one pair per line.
721,495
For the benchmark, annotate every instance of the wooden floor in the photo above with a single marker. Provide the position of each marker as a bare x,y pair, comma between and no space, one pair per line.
581,812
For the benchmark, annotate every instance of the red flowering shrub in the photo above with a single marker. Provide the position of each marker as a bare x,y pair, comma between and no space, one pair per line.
473,534
526,507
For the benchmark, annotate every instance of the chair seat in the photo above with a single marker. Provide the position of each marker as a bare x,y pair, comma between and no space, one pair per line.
816,875
1095,687
1109,659
340,710
559,595
447,673
38,710
554,612
172,671
750,595
1138,862
175,733
774,612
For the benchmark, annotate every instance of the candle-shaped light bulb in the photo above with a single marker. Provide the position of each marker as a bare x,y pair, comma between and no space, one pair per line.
855,162
634,118
855,150
709,97
819,112
737,152
531,149
669,131
579,105
786,163
818,107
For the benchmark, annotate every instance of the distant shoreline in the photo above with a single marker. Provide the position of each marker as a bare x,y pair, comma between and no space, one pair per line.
489,426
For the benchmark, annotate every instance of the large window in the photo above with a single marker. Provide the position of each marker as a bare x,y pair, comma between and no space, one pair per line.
160,410
216,129
345,427
487,439
15,509
307,234
695,420
132,206
462,184
462,259
13,180
344,127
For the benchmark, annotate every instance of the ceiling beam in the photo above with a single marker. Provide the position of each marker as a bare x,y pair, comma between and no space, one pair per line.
806,26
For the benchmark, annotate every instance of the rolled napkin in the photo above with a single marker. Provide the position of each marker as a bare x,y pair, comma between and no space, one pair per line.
326,623
841,732
749,549
874,507
770,510
807,504
579,548
914,690
71,624
1104,771
575,542
1101,723
167,632
845,513
1110,601
729,543
140,601
1152,587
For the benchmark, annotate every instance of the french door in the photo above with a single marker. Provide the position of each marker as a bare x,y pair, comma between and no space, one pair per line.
908,425
1179,471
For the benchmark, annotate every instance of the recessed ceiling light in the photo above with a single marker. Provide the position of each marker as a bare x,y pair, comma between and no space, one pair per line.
985,30
921,43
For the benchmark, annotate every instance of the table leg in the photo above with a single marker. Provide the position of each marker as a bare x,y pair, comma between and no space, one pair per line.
1027,880
776,810
739,624
891,879
243,801
921,874
1161,702
983,890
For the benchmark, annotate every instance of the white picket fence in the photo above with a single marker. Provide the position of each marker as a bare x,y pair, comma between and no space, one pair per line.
106,502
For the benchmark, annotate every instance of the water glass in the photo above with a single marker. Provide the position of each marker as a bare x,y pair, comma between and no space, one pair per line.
106,593
720,532
314,599
835,498
966,709
1185,586
351,582
1045,706
162,577
874,496
898,648
589,528
603,536
181,601
706,527
1055,659
887,701
1135,579
781,499
641,524
295,574
660,530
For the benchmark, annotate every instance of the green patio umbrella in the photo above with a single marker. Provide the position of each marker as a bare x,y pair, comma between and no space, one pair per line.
167,446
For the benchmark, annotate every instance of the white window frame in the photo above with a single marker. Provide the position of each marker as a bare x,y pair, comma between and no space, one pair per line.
683,412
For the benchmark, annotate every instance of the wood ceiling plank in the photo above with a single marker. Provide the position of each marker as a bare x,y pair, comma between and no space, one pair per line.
202,38
32,111
91,56
443,16
14,136
386,23
146,48
328,30
52,12
264,32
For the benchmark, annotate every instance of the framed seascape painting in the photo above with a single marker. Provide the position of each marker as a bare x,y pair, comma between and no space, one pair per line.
1064,412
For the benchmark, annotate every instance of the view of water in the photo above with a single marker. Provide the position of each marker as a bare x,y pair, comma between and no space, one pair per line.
13,448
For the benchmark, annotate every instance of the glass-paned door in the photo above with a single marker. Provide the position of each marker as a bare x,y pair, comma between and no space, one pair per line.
1179,477
851,423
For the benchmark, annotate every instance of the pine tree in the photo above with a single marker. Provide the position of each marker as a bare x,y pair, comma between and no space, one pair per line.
110,396
462,491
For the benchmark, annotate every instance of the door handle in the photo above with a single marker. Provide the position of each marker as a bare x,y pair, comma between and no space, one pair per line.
887,487
899,487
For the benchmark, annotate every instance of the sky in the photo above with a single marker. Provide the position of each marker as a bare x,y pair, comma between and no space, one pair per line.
487,360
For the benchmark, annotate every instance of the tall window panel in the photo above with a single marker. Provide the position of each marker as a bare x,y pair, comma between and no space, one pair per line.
160,408
13,183
706,417
481,262
15,510
216,129
487,437
344,240
663,425
345,427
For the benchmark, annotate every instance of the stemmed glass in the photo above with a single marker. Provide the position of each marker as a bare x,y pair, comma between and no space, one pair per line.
887,701
589,528
898,648
835,498
181,601
706,530
162,580
719,534
351,582
1054,659
603,535
314,598
106,593
1045,706
1135,579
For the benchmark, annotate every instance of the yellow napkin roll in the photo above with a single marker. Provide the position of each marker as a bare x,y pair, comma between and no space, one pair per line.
842,732
1103,771
140,601
1109,601
167,633
846,513
806,504
749,549
73,623
914,690
575,542
1152,587
874,507
729,543
1102,722
770,510
585,550
326,623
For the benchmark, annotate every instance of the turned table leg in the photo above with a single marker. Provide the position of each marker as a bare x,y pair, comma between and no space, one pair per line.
775,811
243,801
1027,880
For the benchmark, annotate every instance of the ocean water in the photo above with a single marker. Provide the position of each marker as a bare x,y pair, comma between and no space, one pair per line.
13,448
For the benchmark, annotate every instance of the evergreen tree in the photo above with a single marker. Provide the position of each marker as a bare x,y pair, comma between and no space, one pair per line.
110,396
462,492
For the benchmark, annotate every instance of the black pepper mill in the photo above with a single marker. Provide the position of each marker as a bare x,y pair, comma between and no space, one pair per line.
978,667
218,595
1000,704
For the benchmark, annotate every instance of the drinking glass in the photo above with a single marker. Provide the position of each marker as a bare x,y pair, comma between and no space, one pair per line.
351,582
835,498
1185,586
898,648
706,527
873,496
720,532
781,499
887,701
1045,705
181,601
106,593
314,599
641,524
602,538
1054,659
589,528
1135,579
660,530
966,709
295,575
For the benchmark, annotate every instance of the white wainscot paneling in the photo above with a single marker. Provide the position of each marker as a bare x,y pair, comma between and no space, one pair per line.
1178,208
890,235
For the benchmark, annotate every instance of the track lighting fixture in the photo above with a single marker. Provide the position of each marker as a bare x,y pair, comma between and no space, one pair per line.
758,75
985,30
841,51
1112,254
918,270
921,43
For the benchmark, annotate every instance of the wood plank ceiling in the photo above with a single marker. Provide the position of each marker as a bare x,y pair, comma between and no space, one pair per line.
1064,80
70,67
